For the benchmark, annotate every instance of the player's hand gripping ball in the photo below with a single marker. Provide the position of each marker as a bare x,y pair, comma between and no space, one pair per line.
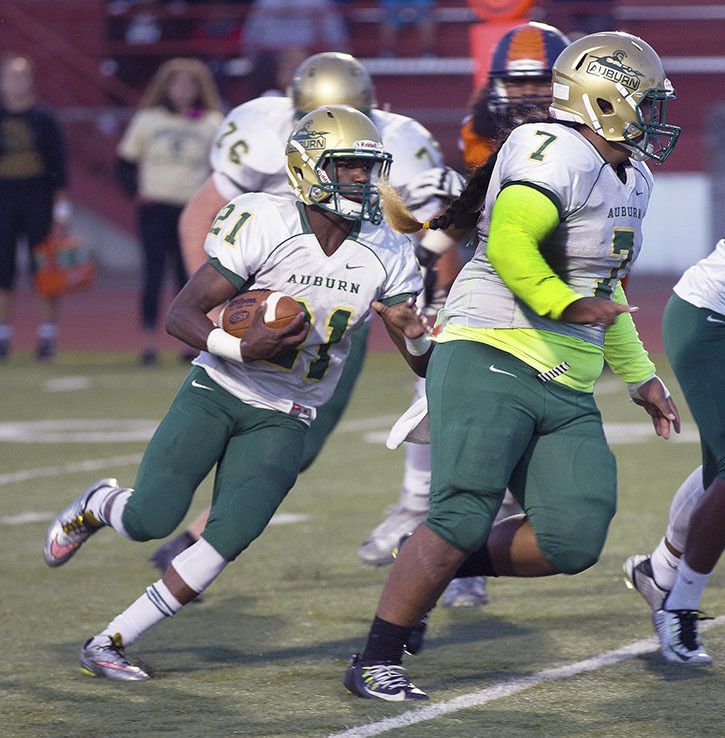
237,315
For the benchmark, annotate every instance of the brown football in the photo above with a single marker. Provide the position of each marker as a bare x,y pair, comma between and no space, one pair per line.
237,315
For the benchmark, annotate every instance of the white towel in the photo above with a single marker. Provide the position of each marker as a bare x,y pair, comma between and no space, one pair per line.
411,426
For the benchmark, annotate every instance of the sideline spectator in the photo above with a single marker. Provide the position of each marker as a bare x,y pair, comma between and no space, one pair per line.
33,197
163,160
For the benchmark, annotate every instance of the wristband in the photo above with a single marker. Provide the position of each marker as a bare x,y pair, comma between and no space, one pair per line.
221,343
417,346
633,388
62,211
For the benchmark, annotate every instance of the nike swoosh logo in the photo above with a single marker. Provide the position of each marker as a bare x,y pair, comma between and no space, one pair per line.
713,319
637,193
194,383
399,696
354,266
492,368
58,551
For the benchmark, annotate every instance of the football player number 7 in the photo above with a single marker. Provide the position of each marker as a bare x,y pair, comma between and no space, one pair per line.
337,321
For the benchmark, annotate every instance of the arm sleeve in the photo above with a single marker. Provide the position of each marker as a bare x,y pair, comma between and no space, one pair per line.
623,349
522,218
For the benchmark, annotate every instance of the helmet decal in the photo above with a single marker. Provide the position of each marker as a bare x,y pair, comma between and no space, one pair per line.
323,143
612,67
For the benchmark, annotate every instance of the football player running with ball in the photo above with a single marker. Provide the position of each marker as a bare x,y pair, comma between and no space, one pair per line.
521,341
248,156
246,406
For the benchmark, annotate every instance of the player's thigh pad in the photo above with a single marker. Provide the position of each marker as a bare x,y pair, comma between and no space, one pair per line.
695,345
481,423
182,452
259,466
567,481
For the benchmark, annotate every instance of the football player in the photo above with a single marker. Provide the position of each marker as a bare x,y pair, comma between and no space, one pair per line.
518,89
247,404
248,156
521,341
673,578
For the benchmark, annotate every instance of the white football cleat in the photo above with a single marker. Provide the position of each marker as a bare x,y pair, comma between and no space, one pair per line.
679,639
377,548
639,575
466,592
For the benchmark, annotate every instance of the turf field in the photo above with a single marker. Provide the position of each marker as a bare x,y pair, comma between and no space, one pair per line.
264,654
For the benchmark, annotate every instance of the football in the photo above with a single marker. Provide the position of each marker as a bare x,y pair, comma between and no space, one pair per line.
237,315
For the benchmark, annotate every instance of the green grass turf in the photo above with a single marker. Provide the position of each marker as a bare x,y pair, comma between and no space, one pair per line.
264,654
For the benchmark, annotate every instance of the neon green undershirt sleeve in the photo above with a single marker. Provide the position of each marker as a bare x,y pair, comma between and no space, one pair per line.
623,349
523,218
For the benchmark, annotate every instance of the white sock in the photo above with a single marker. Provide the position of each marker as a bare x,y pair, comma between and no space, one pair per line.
687,590
153,606
416,481
681,507
108,504
664,566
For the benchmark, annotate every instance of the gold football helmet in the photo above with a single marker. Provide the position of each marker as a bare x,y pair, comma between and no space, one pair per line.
331,78
614,83
317,145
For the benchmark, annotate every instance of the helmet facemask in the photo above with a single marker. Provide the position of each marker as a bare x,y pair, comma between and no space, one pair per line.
650,136
324,143
512,107
351,200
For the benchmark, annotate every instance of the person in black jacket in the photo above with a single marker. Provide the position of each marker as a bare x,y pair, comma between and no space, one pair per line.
33,196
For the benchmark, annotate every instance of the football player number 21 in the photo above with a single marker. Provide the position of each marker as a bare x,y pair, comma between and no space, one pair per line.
336,323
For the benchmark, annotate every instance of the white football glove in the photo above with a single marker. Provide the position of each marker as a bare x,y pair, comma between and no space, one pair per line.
440,182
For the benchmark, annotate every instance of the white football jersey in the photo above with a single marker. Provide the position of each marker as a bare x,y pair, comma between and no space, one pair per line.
597,240
703,284
249,152
260,241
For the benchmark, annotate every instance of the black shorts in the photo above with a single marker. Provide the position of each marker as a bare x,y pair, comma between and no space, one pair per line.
26,211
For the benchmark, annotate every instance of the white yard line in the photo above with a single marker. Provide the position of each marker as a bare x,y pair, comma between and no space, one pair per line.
506,689
78,466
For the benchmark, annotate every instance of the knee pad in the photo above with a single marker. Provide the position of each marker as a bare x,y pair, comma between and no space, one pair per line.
463,520
199,565
573,550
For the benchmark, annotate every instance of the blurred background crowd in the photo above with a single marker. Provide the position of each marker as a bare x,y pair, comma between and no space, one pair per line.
94,61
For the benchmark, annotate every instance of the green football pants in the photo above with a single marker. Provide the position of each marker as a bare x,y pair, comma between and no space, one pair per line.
329,414
694,339
257,453
494,424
